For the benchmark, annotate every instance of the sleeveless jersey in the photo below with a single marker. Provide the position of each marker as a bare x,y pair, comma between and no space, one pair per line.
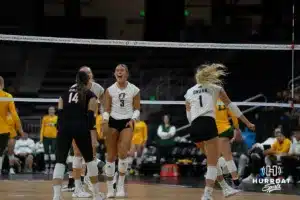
202,99
122,100
75,112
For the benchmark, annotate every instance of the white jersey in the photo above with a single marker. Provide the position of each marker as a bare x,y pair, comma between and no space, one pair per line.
122,100
202,99
96,88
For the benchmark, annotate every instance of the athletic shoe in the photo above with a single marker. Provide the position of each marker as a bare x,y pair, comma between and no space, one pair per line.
81,193
230,192
120,191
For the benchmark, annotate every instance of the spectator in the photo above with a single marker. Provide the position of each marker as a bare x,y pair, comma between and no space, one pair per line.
165,143
48,137
24,149
239,151
278,149
39,156
292,161
256,161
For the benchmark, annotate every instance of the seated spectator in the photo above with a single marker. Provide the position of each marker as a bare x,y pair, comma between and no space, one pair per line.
39,156
256,162
24,149
166,133
292,160
239,151
279,148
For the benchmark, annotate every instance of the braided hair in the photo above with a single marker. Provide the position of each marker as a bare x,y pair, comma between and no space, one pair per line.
82,80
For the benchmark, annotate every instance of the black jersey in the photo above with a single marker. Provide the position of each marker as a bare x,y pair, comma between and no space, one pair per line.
74,113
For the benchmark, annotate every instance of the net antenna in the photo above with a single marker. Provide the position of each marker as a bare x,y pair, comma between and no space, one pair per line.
293,49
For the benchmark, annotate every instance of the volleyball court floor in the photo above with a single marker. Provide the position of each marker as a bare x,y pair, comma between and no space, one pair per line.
38,187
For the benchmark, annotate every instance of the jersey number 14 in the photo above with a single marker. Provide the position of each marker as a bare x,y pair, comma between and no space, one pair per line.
73,97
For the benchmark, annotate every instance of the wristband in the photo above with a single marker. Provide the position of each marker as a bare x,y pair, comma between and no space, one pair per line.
135,115
105,116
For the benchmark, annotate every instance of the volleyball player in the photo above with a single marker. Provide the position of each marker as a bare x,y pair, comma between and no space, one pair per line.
226,133
200,106
76,120
122,109
78,162
7,108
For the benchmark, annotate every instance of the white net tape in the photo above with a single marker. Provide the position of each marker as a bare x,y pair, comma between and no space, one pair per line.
133,43
147,102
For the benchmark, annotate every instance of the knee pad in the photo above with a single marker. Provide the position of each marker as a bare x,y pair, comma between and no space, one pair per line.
92,169
211,173
11,157
59,171
231,166
222,162
70,159
46,157
110,168
77,162
52,157
123,165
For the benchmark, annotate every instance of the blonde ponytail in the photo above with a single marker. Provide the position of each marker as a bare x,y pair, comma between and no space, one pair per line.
210,74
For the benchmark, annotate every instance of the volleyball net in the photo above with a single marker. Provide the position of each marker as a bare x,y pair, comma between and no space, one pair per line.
162,70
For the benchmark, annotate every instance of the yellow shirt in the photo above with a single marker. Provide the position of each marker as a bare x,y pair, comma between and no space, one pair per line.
98,127
7,107
49,129
222,117
12,125
140,133
283,147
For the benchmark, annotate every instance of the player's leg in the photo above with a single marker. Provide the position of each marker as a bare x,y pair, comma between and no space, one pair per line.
46,144
64,142
79,191
226,189
70,187
111,139
131,157
52,154
3,143
124,144
11,157
224,143
84,143
139,154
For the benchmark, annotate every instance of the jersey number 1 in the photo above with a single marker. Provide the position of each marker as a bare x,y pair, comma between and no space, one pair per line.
200,101
73,97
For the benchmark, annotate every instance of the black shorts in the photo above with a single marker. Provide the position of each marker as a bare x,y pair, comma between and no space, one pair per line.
4,137
203,128
118,124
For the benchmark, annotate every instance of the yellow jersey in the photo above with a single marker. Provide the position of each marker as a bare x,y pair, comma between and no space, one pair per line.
48,128
282,147
12,125
140,133
99,127
222,117
6,108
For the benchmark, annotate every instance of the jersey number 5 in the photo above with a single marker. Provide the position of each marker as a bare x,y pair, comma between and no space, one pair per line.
73,97
122,103
200,101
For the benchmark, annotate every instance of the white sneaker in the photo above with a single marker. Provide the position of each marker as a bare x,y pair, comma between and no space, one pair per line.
120,191
230,192
81,193
88,182
207,196
12,171
98,197
249,179
110,194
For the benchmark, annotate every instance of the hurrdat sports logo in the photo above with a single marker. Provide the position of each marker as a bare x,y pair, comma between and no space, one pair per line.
265,178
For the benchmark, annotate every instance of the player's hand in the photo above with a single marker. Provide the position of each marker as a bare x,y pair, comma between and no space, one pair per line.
251,126
130,124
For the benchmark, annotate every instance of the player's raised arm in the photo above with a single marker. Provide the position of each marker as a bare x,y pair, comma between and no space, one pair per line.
234,109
